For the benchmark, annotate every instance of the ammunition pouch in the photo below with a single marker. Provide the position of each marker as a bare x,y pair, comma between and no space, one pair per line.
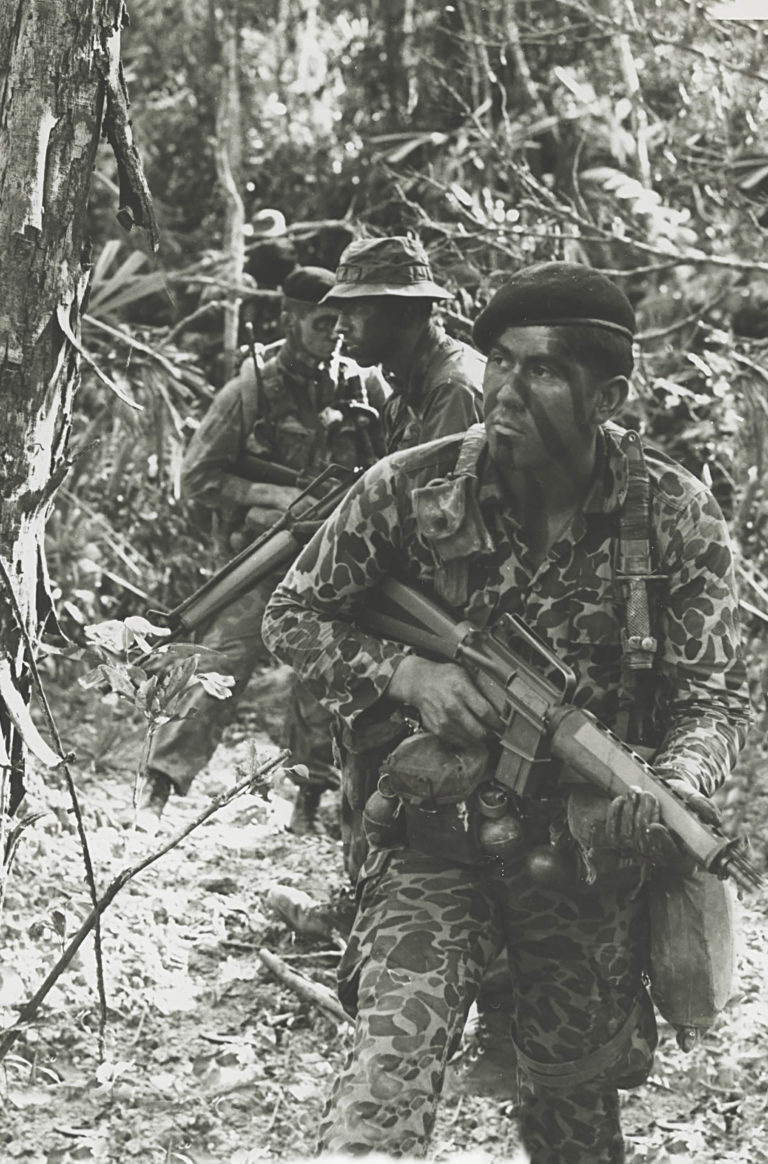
437,785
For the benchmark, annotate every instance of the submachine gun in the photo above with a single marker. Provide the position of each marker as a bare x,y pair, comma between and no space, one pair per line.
540,722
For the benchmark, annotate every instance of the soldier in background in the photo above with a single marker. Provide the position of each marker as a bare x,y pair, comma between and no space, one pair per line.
268,433
385,296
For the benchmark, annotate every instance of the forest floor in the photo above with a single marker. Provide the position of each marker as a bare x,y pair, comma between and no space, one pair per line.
207,1058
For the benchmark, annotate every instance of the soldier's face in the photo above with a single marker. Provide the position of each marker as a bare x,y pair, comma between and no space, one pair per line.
369,329
539,403
315,331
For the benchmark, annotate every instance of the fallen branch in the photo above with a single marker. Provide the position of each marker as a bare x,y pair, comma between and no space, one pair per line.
305,988
29,1009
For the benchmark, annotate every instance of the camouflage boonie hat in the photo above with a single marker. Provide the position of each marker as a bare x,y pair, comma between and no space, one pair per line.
385,266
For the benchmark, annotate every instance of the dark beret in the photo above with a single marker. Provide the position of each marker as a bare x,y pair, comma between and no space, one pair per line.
308,284
555,293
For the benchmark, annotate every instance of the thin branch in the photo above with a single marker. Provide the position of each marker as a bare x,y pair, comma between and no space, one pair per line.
132,342
304,987
695,317
30,1008
89,874
113,540
682,46
592,233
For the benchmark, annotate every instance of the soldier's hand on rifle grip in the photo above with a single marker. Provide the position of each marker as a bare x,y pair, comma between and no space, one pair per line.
262,517
447,700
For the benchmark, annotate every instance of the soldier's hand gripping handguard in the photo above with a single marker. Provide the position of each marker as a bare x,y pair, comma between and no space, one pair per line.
665,820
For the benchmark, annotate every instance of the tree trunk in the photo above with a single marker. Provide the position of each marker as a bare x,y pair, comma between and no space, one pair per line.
229,168
60,84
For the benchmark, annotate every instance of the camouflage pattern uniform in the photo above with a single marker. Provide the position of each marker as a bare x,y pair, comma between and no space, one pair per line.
281,420
428,928
440,395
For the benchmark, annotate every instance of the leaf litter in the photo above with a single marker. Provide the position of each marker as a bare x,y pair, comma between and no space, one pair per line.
210,1060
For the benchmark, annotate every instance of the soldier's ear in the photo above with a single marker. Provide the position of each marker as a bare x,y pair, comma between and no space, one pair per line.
611,394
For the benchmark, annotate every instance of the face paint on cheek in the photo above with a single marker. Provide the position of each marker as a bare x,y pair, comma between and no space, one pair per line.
579,404
557,448
557,428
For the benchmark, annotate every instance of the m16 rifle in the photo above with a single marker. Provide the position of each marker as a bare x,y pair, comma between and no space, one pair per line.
275,548
540,722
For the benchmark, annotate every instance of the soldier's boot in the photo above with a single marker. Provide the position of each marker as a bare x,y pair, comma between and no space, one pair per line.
486,1063
309,918
304,816
157,789
154,797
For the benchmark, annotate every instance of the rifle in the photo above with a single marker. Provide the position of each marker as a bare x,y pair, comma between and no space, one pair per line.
276,547
540,722
262,471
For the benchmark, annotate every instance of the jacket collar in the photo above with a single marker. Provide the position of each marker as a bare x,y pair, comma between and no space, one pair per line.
411,385
296,369
609,485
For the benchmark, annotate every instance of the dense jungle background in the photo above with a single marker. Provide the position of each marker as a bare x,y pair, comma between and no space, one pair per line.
629,134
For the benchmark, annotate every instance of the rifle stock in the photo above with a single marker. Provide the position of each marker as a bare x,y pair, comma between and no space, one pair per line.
539,721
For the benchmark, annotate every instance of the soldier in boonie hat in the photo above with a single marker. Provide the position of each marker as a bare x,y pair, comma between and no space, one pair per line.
384,293
386,266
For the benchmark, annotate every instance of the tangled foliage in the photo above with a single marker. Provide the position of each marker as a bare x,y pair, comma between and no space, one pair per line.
502,133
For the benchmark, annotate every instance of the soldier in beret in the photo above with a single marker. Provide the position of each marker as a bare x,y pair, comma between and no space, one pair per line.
534,505
268,433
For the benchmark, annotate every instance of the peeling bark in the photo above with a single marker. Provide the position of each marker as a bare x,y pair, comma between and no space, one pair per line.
59,72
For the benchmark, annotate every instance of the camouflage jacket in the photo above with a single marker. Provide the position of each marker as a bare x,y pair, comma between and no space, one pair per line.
282,418
700,699
441,394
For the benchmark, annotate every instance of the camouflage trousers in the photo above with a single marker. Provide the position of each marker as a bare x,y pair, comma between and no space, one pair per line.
425,934
183,747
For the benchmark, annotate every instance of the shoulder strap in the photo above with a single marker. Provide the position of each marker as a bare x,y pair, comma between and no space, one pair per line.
634,572
472,444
